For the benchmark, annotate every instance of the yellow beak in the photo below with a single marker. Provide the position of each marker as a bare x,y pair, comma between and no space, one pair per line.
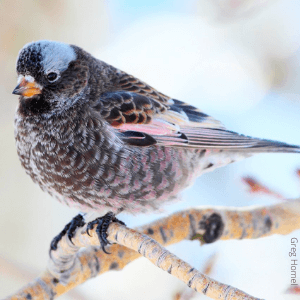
27,89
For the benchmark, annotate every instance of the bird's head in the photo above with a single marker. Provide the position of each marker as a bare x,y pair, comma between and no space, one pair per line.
51,75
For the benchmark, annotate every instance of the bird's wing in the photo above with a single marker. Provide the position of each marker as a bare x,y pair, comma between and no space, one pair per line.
130,83
143,121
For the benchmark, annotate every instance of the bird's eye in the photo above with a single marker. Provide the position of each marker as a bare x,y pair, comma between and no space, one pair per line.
52,76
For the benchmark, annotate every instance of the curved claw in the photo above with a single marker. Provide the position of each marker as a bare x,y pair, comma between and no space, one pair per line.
102,226
91,226
75,223
69,229
103,249
101,233
55,241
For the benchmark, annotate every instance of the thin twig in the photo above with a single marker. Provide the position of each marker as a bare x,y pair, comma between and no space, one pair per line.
205,224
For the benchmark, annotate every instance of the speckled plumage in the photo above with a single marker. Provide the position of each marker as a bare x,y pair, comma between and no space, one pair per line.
97,138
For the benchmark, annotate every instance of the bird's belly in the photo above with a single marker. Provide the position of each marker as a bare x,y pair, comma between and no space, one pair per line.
139,180
143,181
136,179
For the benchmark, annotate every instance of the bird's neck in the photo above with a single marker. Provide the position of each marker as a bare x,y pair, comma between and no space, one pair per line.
102,78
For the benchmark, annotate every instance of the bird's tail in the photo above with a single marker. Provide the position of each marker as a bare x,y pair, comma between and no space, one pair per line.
219,138
263,145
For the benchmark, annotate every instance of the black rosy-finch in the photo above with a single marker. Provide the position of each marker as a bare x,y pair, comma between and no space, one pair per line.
99,139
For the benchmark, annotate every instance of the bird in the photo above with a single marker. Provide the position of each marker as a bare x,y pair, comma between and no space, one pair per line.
101,140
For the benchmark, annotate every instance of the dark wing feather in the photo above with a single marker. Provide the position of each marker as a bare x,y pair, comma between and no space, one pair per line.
128,108
130,83
145,117
136,138
213,138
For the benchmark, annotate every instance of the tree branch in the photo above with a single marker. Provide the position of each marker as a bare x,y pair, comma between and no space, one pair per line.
69,268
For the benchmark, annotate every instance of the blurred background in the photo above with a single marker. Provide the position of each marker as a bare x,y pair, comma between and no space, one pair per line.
237,60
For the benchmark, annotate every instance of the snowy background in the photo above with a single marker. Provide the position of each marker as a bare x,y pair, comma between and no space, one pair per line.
236,60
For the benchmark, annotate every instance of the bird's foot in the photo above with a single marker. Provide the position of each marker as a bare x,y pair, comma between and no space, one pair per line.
102,226
69,229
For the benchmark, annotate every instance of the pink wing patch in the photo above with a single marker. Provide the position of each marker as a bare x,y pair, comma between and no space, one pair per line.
156,127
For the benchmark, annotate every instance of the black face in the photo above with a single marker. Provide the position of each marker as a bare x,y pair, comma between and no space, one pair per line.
60,80
30,62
